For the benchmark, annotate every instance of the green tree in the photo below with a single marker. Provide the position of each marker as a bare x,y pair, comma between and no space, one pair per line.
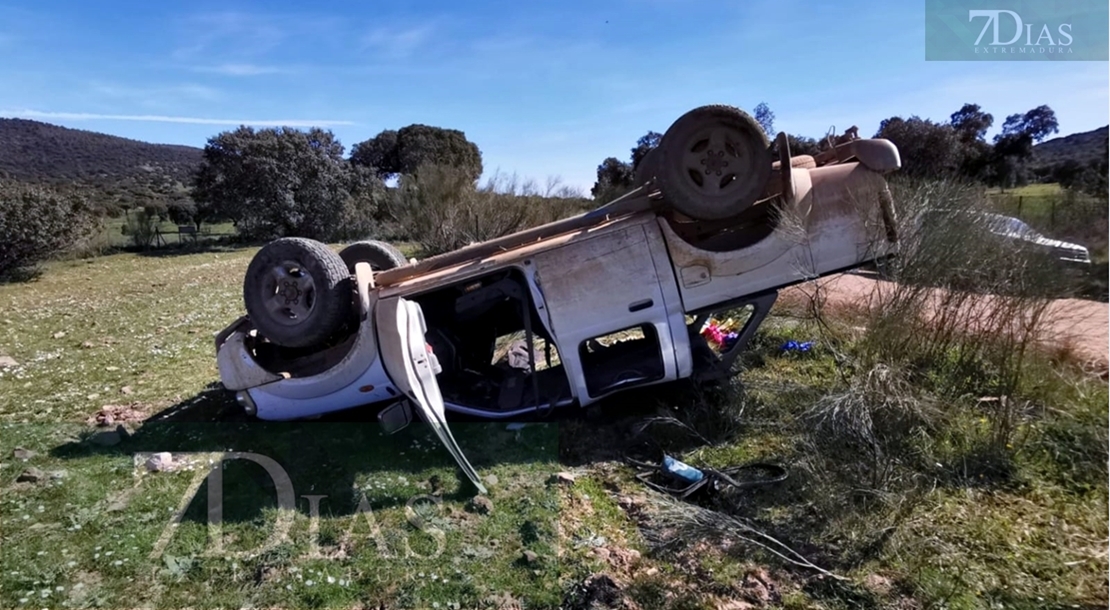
38,223
766,119
393,153
644,145
971,125
928,149
1014,146
614,178
378,153
285,182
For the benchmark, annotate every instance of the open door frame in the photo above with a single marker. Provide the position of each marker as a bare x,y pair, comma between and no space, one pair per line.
412,366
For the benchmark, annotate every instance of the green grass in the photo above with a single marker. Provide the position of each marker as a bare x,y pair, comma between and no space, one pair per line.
114,232
1032,190
944,530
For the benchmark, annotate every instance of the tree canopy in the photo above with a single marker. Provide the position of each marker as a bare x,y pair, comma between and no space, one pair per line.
765,118
927,149
285,182
392,153
644,145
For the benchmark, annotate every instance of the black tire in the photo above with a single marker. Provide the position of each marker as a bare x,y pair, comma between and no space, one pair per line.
297,292
648,167
737,174
379,254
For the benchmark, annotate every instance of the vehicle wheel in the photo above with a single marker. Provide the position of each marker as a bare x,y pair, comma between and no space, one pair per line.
297,292
714,162
379,254
648,168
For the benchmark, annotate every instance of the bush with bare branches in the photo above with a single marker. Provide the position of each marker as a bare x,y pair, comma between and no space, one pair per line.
442,209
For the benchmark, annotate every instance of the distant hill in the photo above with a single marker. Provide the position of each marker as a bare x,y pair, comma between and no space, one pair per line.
117,172
1083,147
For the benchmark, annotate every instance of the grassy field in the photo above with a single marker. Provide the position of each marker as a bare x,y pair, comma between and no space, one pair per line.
114,232
1031,190
921,520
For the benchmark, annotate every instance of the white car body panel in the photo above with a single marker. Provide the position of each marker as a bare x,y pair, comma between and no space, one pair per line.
587,277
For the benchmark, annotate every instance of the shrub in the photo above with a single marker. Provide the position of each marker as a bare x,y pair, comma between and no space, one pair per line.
283,182
442,209
37,224
141,226
954,337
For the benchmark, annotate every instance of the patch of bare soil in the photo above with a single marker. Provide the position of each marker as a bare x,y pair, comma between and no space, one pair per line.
1077,326
110,415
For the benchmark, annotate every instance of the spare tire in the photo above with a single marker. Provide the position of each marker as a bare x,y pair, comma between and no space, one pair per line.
379,254
648,168
297,292
714,162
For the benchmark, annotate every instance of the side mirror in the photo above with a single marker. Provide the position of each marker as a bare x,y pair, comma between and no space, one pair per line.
395,417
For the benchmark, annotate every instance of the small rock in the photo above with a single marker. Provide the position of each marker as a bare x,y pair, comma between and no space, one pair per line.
530,557
23,454
733,604
59,334
58,474
31,475
481,505
88,345
651,572
565,478
127,390
878,584
6,361
107,438
759,588
491,480
160,462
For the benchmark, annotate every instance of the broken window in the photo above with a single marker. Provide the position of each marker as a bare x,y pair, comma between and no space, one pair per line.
627,357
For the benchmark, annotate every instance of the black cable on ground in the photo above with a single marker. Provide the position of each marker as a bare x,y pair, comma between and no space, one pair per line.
653,476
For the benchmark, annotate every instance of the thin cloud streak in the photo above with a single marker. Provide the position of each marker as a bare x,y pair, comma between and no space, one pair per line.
84,116
242,70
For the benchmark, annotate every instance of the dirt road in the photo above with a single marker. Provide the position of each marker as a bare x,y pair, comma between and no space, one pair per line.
1079,325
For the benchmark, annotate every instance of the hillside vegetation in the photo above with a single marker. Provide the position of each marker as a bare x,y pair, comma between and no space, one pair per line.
116,173
1084,148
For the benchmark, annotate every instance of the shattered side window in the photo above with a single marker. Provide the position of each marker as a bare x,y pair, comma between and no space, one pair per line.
627,357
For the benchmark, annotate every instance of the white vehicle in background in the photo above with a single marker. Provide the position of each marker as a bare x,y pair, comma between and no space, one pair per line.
566,313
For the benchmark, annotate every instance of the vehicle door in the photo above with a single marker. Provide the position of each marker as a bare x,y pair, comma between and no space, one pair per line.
412,366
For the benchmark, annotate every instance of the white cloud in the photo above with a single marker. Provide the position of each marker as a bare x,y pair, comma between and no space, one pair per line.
84,116
242,69
230,31
398,43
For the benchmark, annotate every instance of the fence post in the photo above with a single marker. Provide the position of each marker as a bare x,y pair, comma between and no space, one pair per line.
1021,200
1052,215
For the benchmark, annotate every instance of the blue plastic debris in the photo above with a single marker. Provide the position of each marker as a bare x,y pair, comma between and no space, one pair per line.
681,471
794,346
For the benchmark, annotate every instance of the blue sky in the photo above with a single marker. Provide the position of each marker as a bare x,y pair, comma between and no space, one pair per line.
543,89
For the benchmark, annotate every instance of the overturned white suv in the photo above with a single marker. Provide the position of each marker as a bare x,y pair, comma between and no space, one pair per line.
565,313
